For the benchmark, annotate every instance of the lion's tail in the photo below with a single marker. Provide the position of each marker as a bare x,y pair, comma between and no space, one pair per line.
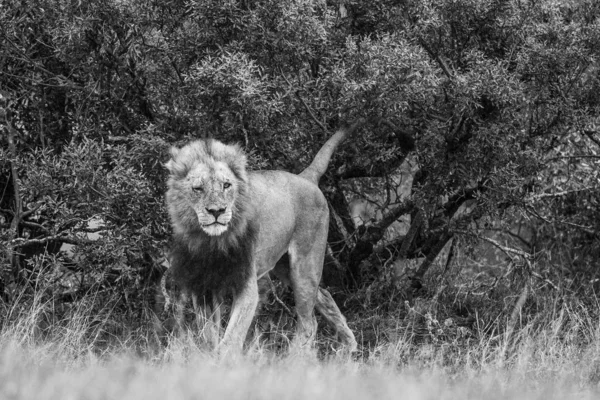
317,168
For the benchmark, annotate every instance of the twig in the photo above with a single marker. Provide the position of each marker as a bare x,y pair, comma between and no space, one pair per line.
35,226
573,157
437,58
308,109
588,230
548,281
450,256
392,215
563,193
21,242
27,213
277,299
310,112
590,135
507,250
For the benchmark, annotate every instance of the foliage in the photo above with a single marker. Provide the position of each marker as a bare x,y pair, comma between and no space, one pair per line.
497,100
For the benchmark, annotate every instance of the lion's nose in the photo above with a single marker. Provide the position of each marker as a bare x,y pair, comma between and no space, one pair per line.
215,212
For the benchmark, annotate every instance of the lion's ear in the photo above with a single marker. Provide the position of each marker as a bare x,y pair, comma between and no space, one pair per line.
171,165
174,152
238,161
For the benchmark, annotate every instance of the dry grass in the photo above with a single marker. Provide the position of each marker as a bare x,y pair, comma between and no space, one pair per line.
33,374
558,358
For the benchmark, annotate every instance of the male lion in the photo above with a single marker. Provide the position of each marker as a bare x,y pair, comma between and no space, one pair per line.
230,227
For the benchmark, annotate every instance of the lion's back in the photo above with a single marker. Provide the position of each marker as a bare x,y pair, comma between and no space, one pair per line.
285,189
284,205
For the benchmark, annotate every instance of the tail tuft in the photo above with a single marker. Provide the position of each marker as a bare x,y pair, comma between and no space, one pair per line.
317,168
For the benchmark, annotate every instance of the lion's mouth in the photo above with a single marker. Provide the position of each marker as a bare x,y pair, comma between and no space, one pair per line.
215,223
215,228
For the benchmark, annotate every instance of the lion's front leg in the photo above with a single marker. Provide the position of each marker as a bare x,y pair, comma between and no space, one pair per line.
242,312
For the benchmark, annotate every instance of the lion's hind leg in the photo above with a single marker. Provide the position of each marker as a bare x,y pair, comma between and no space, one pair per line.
304,276
330,311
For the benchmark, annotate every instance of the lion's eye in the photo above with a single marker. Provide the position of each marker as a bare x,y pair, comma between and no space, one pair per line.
226,185
197,189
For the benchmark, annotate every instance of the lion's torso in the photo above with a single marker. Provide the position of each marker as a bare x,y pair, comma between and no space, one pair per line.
283,205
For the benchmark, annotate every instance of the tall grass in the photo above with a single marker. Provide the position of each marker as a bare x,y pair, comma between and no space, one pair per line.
556,355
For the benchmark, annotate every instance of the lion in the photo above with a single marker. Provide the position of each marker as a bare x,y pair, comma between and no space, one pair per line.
232,226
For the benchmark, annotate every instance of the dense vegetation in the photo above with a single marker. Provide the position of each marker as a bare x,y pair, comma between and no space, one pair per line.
495,103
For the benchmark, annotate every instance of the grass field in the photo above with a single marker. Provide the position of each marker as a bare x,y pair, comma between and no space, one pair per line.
35,374
559,359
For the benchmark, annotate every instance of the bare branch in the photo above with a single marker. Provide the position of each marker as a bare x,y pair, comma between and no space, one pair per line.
560,194
586,229
34,225
436,249
415,228
27,213
22,242
308,109
590,135
437,58
310,112
392,215
548,281
277,299
507,250
576,156
370,235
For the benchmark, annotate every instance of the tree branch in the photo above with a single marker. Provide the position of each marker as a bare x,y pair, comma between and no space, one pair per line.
390,216
573,157
560,194
308,109
310,112
22,242
433,253
437,58
34,225
586,229
590,135
370,235
509,251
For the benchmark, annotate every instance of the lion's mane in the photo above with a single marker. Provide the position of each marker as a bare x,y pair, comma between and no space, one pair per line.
202,264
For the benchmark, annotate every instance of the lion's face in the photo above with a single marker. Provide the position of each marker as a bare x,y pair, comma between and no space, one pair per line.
207,178
212,194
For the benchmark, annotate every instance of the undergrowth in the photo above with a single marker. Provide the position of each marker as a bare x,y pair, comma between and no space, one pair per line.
457,341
